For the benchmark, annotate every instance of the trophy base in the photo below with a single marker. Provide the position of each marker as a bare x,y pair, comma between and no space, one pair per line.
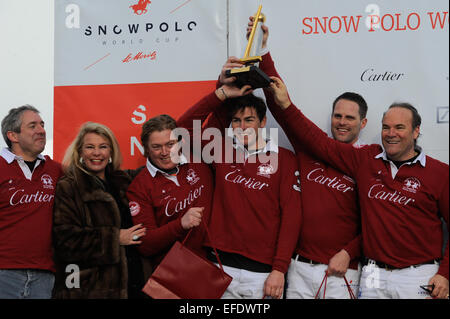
249,75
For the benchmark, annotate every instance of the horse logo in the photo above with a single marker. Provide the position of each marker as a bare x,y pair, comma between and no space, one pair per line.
47,181
140,7
411,184
192,177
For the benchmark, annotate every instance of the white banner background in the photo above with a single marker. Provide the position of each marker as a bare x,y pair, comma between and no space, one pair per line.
189,41
316,67
319,67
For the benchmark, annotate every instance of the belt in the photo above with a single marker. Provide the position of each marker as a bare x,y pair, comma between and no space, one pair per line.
390,267
239,261
305,260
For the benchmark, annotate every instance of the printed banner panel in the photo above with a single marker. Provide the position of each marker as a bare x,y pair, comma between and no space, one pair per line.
387,51
120,63
123,108
108,42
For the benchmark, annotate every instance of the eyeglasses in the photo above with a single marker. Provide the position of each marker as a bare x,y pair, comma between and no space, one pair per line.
428,288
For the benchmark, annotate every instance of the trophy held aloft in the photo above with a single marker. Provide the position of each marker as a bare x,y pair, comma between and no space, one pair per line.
250,73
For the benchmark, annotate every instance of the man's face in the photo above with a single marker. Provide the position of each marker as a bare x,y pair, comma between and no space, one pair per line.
398,135
346,122
245,124
30,142
162,149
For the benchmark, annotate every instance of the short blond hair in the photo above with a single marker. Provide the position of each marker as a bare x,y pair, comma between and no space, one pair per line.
72,157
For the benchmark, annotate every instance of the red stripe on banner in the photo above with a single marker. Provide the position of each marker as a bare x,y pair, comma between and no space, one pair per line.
180,6
96,62
121,107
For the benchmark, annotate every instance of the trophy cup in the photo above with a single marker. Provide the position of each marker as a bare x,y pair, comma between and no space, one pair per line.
250,73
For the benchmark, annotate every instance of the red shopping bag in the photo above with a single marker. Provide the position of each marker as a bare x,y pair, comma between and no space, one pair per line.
182,274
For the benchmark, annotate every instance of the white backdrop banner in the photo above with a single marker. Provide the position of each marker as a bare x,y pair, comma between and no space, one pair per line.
387,51
122,62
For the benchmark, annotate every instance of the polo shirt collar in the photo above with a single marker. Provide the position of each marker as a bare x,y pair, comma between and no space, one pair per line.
270,146
153,169
9,156
421,158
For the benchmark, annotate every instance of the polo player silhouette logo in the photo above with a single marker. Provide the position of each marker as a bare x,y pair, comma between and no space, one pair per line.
47,181
140,7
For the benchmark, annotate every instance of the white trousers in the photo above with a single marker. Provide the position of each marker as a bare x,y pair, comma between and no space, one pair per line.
379,283
245,284
304,280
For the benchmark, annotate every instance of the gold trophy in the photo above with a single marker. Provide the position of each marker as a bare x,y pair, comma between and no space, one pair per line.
251,74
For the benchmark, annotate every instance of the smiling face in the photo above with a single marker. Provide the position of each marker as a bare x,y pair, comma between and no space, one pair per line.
95,153
161,149
245,124
346,122
30,142
398,134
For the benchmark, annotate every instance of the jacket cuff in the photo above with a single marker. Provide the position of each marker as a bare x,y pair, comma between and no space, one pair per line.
443,271
280,265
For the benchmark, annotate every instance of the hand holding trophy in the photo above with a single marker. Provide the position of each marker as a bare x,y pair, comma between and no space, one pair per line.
250,73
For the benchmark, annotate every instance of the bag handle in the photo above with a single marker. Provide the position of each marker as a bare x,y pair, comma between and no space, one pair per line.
350,291
212,244
325,278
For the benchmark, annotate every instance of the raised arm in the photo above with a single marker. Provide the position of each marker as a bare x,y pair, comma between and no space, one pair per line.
342,156
208,105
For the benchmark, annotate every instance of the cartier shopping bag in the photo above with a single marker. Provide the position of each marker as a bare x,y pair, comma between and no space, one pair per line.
182,274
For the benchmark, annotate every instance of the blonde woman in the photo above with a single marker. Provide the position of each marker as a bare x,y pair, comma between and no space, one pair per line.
94,238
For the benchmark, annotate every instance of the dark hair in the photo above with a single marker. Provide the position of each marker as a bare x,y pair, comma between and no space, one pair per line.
354,97
158,123
416,119
235,105
13,121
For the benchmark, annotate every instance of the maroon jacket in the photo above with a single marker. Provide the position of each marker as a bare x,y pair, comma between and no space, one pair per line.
256,209
401,215
331,217
159,203
26,214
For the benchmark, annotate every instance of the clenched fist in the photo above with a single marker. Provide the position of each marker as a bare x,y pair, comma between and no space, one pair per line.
192,218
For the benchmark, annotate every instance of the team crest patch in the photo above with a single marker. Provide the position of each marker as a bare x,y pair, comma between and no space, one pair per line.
265,170
134,208
47,181
411,184
192,177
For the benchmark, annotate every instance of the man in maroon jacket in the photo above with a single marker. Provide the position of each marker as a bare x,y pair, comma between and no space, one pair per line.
330,238
402,194
256,213
171,195
27,186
